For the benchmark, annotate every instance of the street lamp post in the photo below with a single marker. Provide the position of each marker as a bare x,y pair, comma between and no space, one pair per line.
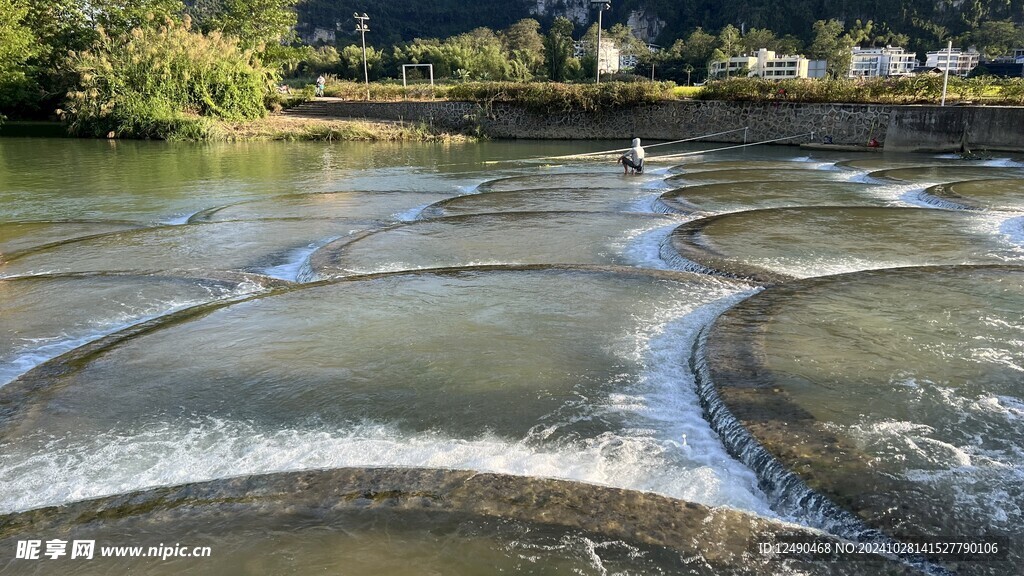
601,6
945,80
363,28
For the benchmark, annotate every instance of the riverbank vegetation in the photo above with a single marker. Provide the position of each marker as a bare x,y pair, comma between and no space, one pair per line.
555,97
165,82
179,69
142,68
922,89
293,129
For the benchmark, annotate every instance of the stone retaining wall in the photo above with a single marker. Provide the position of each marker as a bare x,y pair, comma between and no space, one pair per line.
902,128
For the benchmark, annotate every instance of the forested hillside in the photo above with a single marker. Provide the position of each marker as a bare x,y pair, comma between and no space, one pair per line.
396,21
925,22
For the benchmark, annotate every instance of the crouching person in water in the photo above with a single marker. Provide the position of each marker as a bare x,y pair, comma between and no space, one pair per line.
633,159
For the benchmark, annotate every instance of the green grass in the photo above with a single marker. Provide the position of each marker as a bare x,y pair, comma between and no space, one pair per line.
687,91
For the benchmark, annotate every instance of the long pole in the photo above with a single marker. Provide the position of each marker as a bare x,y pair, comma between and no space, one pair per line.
366,70
945,81
362,28
600,9
601,153
699,152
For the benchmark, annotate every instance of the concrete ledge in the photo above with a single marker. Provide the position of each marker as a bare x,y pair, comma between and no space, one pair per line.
898,128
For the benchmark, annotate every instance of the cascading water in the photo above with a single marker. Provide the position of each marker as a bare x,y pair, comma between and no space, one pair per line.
347,307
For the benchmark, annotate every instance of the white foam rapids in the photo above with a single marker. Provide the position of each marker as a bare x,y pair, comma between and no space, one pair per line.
665,445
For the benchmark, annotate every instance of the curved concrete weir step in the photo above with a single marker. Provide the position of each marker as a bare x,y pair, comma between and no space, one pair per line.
780,244
515,238
250,246
738,196
987,194
416,521
896,393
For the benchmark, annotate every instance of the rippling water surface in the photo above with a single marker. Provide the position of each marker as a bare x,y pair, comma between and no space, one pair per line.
217,314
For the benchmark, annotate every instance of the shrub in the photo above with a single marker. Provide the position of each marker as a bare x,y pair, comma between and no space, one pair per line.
1012,92
164,83
380,91
555,97
920,89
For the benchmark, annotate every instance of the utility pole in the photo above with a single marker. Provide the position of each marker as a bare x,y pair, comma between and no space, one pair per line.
363,28
601,5
945,81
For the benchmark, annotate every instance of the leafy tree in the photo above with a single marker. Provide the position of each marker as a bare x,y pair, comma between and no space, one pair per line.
698,49
862,33
628,44
757,38
928,35
831,44
885,36
729,41
524,45
917,19
475,55
719,56
996,38
256,23
16,46
321,60
291,58
558,49
688,60
350,62
789,44
60,27
479,53
16,41
163,83
121,16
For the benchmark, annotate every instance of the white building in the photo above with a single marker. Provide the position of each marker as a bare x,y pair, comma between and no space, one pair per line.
956,60
880,62
608,58
733,66
1018,55
628,61
768,64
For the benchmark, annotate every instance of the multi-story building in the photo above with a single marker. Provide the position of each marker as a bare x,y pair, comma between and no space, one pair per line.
629,60
878,62
957,61
768,64
608,57
733,66
1010,65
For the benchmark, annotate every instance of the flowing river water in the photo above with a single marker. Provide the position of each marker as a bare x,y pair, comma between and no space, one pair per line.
462,359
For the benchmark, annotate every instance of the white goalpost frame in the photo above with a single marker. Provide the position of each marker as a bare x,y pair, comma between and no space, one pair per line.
430,66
